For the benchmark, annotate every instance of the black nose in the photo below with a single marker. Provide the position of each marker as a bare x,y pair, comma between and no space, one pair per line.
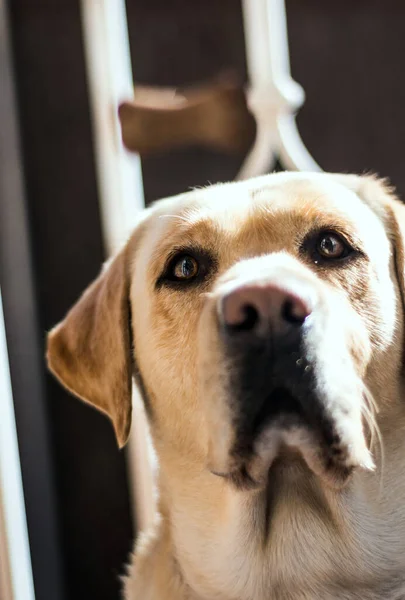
258,308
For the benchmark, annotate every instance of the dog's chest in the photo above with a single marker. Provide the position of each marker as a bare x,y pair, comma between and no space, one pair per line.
300,566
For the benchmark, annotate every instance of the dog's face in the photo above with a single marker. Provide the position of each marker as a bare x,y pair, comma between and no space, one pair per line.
255,316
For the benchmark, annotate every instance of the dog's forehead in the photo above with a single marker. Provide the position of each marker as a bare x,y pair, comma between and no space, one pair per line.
281,200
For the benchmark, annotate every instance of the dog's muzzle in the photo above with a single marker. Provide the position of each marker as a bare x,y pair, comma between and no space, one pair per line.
277,404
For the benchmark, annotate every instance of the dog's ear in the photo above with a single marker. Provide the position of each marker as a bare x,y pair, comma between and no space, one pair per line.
90,350
396,211
380,195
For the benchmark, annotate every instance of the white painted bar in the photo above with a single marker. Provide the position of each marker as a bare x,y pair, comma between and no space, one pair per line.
273,97
110,81
120,187
16,582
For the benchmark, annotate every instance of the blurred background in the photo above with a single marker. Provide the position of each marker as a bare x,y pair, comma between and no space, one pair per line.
349,58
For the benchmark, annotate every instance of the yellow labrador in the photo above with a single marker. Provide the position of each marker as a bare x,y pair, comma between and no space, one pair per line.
263,324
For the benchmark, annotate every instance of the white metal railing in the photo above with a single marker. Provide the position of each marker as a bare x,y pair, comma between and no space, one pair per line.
16,581
274,97
120,190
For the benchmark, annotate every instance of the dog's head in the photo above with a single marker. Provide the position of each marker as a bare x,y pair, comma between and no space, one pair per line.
255,318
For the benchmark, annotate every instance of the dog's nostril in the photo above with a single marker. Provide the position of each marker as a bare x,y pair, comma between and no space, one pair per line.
260,309
248,321
293,313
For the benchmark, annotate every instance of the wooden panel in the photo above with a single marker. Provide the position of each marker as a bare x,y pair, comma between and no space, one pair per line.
349,57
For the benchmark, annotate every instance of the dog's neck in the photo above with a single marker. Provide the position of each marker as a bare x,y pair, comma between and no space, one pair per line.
283,542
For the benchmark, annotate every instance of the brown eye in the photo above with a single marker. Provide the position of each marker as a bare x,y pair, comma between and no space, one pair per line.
185,268
331,245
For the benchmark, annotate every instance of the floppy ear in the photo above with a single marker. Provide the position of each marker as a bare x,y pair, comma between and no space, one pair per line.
396,212
90,350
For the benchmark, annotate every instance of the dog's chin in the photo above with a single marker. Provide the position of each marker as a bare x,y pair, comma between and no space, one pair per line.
289,454
287,443
290,449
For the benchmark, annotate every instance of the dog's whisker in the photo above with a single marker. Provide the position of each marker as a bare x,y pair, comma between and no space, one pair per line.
371,400
179,217
369,410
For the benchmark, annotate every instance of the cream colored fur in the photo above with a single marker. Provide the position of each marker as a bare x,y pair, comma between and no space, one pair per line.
297,536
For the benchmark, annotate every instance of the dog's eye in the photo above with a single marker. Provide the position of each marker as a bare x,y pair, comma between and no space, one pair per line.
186,268
331,246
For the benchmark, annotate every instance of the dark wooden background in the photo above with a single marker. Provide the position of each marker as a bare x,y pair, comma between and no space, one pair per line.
349,57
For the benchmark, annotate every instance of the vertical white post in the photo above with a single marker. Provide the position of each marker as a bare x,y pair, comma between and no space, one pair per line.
120,186
274,97
16,581
110,81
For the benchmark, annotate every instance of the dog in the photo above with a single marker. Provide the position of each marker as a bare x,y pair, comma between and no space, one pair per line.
263,323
